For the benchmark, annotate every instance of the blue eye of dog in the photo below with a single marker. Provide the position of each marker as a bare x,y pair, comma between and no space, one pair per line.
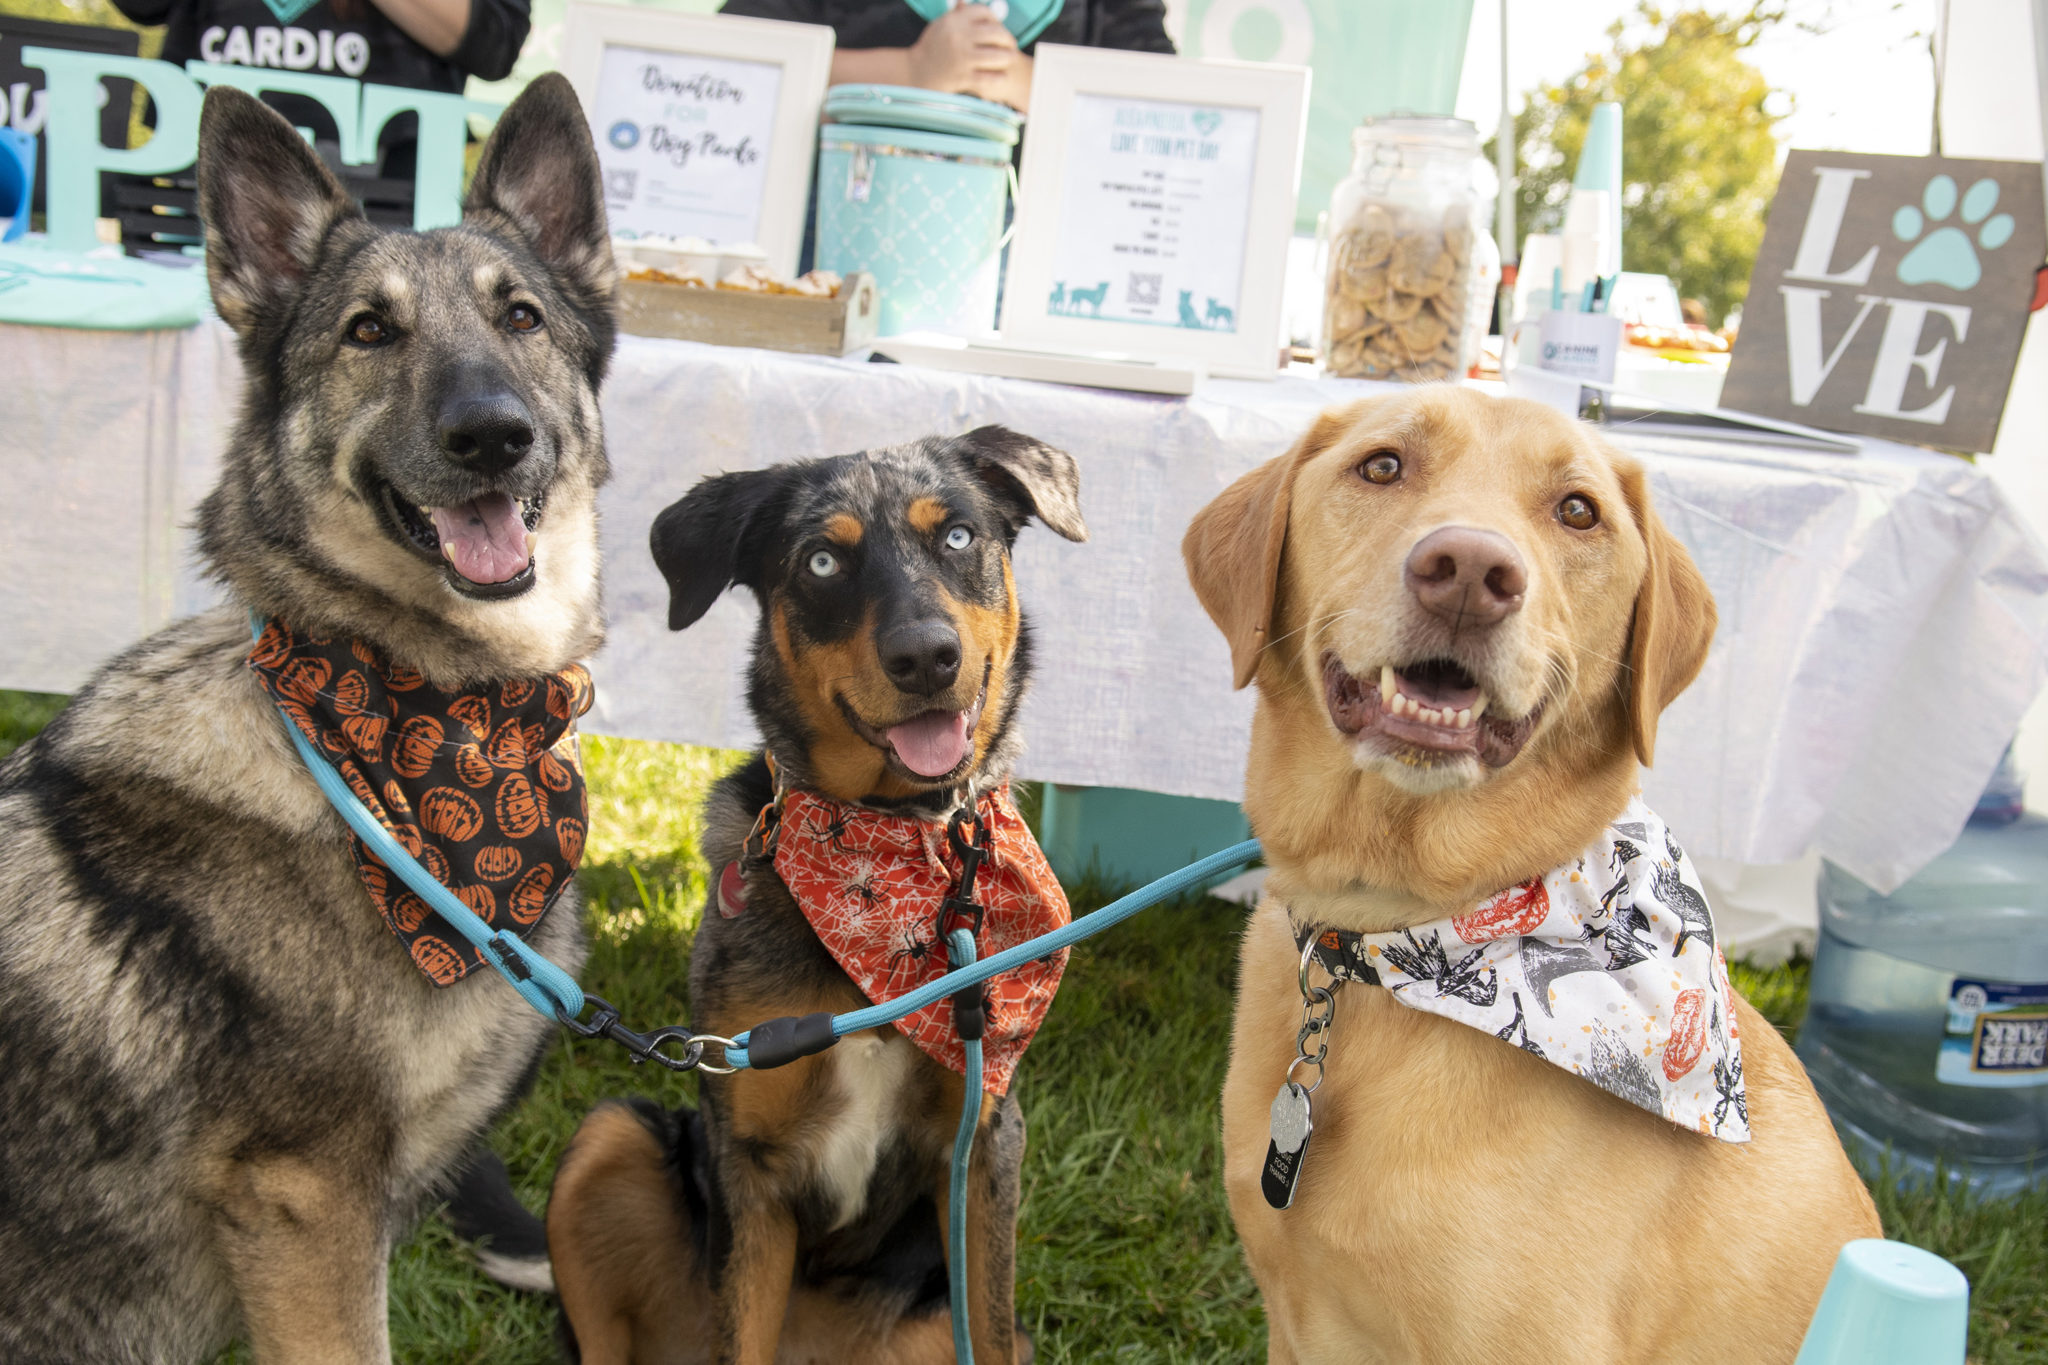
367,329
824,564
522,318
959,538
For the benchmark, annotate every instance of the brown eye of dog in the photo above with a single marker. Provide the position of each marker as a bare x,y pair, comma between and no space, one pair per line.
522,319
1579,513
367,329
1385,467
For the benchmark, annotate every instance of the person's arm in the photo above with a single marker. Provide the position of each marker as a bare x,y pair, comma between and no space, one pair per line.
436,25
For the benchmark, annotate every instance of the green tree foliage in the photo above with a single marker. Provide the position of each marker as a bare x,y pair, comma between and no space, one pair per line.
1698,150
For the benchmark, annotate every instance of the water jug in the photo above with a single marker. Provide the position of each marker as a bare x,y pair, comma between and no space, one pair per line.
1927,1030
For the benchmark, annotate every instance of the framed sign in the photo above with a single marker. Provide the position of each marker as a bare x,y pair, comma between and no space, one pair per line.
1890,296
1155,208
706,125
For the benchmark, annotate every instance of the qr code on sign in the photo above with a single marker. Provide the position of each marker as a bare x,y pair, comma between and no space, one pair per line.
1143,291
621,184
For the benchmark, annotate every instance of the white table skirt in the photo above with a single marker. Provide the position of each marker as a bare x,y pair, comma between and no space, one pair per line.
1883,615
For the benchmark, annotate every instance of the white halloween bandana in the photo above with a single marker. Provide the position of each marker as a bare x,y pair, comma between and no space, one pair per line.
1605,966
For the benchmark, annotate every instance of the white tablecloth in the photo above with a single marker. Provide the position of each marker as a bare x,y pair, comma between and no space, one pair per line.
1883,615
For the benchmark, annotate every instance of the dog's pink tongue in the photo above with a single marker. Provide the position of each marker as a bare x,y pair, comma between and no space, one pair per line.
485,540
931,745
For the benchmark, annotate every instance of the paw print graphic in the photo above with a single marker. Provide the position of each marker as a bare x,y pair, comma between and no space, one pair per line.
1945,255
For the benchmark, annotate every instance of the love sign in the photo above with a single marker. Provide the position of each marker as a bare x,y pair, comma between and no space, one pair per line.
1891,295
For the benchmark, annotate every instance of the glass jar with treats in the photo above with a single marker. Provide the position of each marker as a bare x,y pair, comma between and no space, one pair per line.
1412,268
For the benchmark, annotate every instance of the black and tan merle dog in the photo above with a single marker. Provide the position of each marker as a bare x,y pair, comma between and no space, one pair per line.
798,1217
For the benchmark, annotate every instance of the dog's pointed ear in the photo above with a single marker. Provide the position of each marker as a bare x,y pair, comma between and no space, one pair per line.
1674,619
266,202
539,169
715,538
1028,478
1232,547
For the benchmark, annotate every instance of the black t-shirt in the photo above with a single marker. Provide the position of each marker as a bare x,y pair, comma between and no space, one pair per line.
337,38
1132,25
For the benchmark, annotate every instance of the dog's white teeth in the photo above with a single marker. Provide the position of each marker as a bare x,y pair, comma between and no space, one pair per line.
1479,707
530,538
1386,683
1414,708
1430,716
1465,718
448,549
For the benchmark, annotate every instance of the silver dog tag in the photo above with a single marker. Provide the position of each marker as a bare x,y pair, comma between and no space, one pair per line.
1292,1125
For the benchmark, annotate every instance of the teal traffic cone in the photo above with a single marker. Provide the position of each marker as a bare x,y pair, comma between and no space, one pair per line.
1889,1304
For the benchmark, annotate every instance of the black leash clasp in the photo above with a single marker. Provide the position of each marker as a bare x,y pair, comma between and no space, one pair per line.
970,1007
604,1022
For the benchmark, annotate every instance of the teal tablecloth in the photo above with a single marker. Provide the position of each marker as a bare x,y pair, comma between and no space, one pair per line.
49,288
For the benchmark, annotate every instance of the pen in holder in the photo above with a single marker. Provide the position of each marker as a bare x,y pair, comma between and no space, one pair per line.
17,182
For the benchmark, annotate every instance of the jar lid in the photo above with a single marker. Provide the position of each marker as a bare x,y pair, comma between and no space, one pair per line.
1456,133
932,111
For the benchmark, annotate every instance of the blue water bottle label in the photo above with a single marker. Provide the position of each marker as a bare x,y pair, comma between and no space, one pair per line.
1997,1034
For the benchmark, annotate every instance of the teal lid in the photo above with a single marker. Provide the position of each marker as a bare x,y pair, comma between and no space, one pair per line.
932,111
913,140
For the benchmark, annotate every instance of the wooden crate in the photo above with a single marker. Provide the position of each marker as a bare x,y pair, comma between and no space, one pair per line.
732,317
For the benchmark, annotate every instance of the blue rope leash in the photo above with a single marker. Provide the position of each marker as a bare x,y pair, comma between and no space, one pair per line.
1173,884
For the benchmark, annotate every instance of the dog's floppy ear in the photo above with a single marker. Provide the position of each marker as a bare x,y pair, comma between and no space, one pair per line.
1674,619
1028,477
1232,547
539,169
712,539
266,202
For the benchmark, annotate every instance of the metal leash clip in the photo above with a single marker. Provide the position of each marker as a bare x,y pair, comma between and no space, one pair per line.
1293,1119
605,1023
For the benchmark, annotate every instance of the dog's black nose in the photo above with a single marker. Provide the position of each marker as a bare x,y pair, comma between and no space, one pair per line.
1467,576
920,656
489,432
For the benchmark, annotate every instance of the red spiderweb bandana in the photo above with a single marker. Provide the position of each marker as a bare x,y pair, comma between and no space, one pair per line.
482,786
871,885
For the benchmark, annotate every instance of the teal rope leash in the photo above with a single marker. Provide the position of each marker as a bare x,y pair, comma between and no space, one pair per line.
555,995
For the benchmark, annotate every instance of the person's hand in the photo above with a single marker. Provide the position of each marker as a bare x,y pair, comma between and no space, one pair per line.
966,51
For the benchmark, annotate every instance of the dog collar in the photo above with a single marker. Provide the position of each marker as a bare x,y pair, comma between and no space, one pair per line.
482,786
877,888
1605,966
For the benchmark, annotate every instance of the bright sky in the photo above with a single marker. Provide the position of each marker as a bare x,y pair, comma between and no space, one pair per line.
1865,85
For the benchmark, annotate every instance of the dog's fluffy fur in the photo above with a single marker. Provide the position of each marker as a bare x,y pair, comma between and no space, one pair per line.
224,1087
1461,1201
799,1220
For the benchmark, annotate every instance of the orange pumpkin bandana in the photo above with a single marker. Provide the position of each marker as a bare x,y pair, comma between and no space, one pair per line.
874,887
483,786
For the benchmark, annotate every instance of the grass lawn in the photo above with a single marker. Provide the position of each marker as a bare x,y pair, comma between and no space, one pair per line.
1126,1247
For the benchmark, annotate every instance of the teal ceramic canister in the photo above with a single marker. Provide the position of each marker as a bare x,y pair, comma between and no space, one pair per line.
908,195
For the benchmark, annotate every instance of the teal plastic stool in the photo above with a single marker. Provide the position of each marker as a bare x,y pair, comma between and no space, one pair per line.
1889,1304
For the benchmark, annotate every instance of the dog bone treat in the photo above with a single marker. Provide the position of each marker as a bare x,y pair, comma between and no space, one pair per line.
1406,290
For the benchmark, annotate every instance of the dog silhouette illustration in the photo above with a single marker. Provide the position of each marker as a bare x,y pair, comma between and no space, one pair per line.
1188,316
1092,297
1220,316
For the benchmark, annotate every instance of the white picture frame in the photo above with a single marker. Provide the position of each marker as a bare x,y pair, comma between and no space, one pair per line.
597,35
1068,192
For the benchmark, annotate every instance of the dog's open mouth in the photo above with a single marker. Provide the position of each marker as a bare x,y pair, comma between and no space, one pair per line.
1432,705
484,545
932,745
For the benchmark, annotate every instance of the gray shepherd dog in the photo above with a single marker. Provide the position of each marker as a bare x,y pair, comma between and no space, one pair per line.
225,1089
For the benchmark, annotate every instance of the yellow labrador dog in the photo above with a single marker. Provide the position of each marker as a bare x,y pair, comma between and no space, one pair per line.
1464,617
